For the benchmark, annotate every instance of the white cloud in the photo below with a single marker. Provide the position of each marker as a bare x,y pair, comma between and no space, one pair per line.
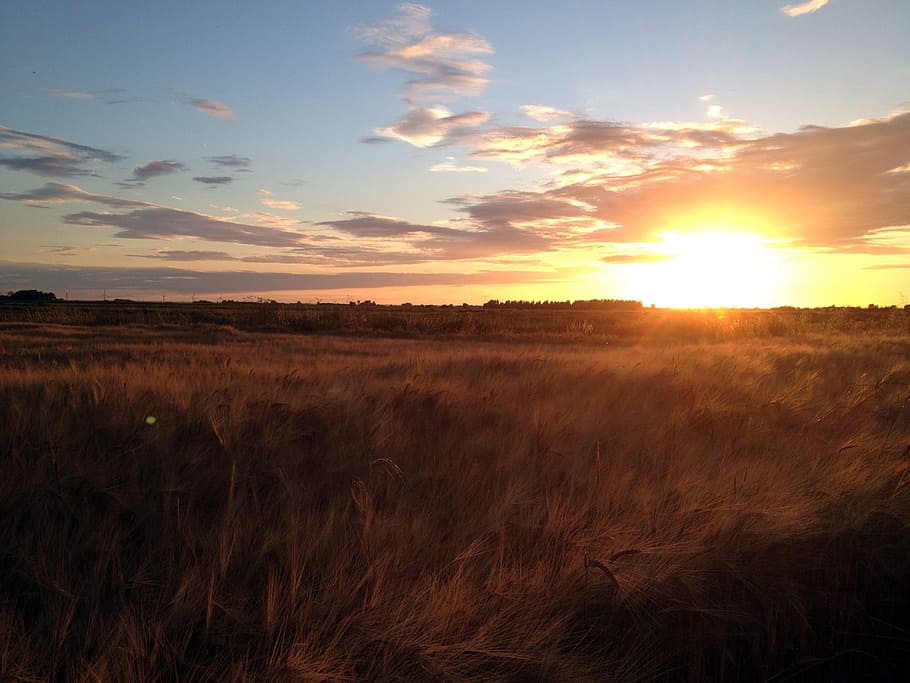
448,63
281,204
545,114
715,111
450,165
267,198
424,127
803,8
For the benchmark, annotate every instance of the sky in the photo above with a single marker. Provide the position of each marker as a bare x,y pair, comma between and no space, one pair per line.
699,153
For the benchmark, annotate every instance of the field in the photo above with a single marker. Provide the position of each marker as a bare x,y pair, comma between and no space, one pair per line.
525,496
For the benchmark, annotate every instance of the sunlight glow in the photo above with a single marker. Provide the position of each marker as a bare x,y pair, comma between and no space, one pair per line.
712,268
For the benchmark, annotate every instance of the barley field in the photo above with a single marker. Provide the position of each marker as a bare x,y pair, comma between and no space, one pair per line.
199,502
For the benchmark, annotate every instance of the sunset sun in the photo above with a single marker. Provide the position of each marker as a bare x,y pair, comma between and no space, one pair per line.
711,268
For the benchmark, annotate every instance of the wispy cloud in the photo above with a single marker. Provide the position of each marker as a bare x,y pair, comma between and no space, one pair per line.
447,63
70,94
280,204
803,7
213,180
424,127
183,281
642,257
480,239
186,255
52,157
449,165
448,66
61,250
624,146
545,114
375,140
156,168
890,266
781,185
266,198
106,95
211,107
161,223
58,193
230,161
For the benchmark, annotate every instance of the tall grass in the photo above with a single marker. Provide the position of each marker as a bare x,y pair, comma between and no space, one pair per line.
325,508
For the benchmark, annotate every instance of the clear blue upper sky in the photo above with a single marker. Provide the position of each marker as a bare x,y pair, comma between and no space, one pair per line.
336,147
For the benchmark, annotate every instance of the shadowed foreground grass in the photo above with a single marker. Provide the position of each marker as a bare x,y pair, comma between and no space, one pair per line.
319,508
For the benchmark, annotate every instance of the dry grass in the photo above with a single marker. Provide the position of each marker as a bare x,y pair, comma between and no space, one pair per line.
320,508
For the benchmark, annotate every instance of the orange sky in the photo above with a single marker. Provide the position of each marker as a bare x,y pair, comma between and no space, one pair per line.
667,152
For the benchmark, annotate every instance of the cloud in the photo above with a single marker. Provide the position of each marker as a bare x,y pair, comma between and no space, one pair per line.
613,142
267,199
230,161
191,255
70,94
447,63
214,180
621,259
280,204
481,239
822,187
270,219
211,107
363,224
803,8
375,140
152,281
61,250
53,157
447,67
52,166
545,114
411,22
156,168
424,127
161,223
715,111
57,193
307,255
108,95
449,165
529,211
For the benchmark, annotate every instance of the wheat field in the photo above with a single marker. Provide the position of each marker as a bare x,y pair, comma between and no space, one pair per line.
200,503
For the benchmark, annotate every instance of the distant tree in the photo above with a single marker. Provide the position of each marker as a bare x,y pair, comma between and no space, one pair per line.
31,296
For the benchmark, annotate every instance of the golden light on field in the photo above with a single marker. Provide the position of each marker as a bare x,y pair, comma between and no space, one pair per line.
710,268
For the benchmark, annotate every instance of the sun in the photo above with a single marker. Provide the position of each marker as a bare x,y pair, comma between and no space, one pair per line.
712,268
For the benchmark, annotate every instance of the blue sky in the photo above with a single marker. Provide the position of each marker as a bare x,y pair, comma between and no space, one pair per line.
457,151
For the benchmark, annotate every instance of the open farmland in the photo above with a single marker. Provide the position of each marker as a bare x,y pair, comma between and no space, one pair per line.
694,500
